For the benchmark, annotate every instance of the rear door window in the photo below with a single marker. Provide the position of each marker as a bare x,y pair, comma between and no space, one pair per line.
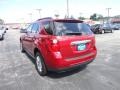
48,27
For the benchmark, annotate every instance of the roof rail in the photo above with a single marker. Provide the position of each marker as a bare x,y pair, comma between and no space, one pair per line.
44,18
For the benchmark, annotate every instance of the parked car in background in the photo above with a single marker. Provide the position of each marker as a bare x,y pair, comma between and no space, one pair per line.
116,27
107,27
97,29
1,34
3,29
59,44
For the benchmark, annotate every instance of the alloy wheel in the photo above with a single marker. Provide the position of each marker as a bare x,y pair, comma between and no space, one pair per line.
39,63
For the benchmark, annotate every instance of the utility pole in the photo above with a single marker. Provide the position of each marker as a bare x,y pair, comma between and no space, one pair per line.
108,10
39,10
67,8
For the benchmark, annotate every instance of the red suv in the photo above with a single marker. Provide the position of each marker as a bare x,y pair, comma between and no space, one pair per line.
59,44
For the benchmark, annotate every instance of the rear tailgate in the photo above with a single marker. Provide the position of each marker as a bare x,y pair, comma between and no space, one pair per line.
75,46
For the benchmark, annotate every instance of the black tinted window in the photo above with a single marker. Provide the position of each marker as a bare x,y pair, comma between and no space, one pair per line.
66,28
48,27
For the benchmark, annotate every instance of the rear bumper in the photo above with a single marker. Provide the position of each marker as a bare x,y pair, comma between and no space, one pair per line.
71,66
64,64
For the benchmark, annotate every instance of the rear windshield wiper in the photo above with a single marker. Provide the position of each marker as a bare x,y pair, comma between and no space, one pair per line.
73,33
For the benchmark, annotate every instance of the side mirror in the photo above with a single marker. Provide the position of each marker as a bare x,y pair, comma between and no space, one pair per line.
23,30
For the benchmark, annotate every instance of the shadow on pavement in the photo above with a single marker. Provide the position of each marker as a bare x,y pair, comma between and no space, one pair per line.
61,74
56,75
30,58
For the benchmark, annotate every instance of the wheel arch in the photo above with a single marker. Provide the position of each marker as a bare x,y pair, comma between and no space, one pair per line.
37,50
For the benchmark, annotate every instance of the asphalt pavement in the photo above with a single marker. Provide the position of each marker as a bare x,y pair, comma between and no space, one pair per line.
17,70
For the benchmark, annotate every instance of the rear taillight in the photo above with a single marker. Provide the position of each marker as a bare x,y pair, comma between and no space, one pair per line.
93,44
54,41
53,45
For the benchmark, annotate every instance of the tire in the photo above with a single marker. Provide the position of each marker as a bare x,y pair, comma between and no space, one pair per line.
105,31
21,47
2,37
111,31
102,32
40,65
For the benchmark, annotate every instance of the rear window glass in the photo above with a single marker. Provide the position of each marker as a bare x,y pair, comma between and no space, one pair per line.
75,28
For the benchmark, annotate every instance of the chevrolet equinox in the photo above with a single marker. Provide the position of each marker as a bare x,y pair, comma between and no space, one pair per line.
58,44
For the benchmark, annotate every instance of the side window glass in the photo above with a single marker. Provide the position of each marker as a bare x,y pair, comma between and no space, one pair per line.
48,27
29,28
35,28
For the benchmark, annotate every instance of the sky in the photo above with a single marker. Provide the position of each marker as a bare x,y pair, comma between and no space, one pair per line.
14,11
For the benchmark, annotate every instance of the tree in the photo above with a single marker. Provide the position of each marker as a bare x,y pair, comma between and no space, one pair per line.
96,17
81,18
99,16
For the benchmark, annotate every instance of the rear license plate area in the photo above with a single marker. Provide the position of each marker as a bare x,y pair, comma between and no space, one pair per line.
81,47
